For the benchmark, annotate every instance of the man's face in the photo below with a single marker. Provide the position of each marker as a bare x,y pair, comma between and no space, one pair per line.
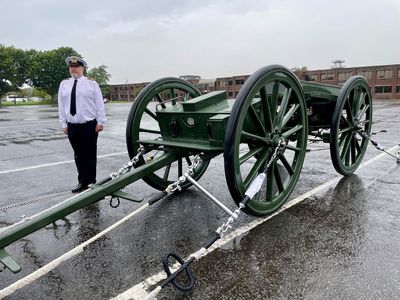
76,71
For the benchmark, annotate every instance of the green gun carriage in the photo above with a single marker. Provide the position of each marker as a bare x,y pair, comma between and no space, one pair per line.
266,128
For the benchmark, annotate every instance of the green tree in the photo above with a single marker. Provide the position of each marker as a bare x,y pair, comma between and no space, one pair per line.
300,72
13,62
102,77
50,69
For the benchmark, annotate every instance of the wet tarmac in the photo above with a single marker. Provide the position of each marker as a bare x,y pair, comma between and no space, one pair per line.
340,242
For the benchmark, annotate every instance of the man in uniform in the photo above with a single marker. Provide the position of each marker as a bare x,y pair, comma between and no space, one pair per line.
82,117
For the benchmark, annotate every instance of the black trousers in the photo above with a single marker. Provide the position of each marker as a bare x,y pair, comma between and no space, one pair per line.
83,139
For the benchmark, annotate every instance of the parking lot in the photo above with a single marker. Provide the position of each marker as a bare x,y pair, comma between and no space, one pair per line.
337,237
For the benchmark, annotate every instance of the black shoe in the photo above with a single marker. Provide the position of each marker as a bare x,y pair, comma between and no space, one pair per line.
79,188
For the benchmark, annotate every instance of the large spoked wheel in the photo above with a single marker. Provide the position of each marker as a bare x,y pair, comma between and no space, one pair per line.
352,115
269,115
143,125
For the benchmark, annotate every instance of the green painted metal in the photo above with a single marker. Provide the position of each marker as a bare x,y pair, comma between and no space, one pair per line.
8,262
353,112
270,109
319,90
143,128
17,231
170,121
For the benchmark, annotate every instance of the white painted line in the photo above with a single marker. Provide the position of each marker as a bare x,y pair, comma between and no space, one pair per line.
55,263
139,291
55,164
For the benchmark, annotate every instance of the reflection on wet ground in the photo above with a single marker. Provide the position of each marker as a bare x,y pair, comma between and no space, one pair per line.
342,242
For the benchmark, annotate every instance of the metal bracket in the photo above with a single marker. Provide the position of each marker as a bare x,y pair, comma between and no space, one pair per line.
8,262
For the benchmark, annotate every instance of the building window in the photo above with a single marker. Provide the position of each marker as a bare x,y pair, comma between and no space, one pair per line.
230,94
365,74
383,74
398,73
398,89
383,89
344,76
313,77
327,76
230,82
239,81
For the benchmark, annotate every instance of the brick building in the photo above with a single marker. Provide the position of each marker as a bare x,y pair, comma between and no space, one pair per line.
383,80
231,84
125,92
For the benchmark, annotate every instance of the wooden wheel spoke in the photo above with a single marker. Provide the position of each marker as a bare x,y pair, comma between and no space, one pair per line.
256,119
292,131
166,172
173,96
284,104
286,164
346,147
151,114
288,115
270,182
293,148
250,154
358,148
252,137
159,99
355,101
255,169
344,130
180,170
342,138
149,130
274,102
266,109
278,179
362,111
364,121
360,102
353,149
349,111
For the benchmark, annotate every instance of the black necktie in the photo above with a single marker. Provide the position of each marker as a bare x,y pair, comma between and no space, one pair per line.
72,109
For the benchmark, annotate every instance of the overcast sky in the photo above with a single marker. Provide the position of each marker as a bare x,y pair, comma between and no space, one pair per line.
143,40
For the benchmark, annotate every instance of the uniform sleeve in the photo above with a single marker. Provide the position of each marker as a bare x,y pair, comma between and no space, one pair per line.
62,114
100,110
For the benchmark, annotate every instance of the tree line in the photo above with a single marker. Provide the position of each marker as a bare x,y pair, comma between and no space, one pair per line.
42,70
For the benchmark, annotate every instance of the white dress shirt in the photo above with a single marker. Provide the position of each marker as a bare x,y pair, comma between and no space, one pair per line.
89,102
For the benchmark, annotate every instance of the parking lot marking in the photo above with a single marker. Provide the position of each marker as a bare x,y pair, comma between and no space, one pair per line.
55,164
140,290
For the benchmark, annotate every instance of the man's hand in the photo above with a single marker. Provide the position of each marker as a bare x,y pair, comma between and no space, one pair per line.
65,130
99,128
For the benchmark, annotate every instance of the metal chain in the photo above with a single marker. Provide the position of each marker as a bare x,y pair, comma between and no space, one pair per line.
129,165
377,145
227,225
37,200
195,162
